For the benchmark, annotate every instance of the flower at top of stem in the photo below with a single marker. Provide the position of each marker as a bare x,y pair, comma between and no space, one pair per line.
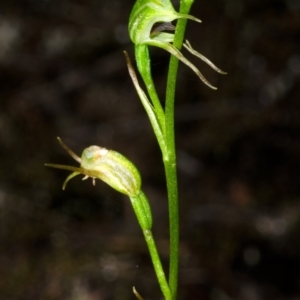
146,13
143,18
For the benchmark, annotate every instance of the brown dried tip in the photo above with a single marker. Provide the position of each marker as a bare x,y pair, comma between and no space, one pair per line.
137,294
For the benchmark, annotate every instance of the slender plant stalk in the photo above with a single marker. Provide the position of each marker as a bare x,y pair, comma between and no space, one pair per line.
170,162
157,265
140,205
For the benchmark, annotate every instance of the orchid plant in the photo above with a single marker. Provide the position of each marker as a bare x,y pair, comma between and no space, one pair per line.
148,22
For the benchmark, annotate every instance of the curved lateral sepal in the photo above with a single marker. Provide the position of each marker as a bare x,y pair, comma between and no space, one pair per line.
189,47
174,51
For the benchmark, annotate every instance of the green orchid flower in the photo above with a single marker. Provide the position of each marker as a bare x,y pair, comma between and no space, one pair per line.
143,32
114,169
107,165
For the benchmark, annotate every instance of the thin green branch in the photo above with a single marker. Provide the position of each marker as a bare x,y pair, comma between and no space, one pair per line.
140,207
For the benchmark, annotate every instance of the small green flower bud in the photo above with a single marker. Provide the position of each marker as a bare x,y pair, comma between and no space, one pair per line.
113,168
107,165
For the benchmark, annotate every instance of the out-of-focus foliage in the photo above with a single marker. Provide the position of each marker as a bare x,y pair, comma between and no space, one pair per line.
62,72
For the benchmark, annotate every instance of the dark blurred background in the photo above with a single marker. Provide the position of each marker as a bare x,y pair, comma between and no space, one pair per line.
63,73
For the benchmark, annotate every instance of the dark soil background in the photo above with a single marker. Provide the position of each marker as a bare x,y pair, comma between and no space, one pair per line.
63,73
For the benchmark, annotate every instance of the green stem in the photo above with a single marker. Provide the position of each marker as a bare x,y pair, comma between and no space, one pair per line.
171,175
142,211
157,265
154,117
143,63
170,161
